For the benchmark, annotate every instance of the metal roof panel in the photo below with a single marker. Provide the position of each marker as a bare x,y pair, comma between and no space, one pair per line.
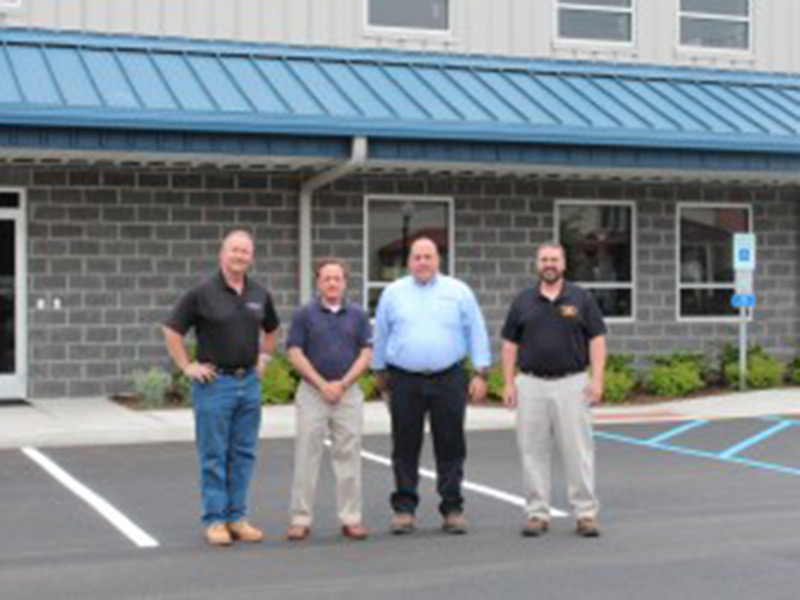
61,79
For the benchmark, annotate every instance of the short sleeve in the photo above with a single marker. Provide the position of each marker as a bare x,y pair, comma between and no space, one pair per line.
593,321
297,331
184,314
512,328
270,321
364,331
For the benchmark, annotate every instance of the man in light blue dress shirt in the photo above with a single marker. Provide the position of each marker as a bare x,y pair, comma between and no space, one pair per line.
426,324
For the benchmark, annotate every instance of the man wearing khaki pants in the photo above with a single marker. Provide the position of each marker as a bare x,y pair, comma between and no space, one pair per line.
553,331
329,345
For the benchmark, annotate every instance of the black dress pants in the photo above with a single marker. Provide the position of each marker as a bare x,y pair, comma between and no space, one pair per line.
443,396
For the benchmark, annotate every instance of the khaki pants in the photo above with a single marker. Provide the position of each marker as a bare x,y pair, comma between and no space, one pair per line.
316,419
555,411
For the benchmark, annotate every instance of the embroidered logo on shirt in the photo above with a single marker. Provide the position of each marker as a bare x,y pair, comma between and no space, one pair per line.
568,311
254,306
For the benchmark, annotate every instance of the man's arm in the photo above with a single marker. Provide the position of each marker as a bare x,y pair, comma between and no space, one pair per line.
508,357
597,365
358,367
177,352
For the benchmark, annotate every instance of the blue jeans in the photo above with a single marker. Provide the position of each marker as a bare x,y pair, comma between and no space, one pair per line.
227,416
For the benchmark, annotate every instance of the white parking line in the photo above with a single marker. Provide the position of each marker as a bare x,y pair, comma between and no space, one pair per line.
467,485
127,527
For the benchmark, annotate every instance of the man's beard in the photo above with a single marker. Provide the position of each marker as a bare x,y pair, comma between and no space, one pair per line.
550,275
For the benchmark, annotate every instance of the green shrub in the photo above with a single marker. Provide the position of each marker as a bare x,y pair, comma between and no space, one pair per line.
673,380
279,383
620,363
698,361
763,371
618,386
152,386
179,392
793,371
367,384
495,385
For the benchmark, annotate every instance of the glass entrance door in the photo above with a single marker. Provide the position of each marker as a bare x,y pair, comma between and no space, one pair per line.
13,360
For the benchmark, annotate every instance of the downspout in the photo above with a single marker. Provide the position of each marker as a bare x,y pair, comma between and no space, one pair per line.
358,155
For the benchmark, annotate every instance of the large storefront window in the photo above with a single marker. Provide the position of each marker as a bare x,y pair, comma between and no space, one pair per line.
706,278
392,223
598,240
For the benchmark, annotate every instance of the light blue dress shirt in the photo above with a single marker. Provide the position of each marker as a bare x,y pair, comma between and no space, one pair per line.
429,326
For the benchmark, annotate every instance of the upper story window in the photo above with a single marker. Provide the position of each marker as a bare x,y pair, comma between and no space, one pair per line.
428,15
596,20
721,24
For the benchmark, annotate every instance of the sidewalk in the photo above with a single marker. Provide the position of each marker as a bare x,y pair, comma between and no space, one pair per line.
98,421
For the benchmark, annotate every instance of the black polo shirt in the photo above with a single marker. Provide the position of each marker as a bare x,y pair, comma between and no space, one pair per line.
331,341
227,325
553,335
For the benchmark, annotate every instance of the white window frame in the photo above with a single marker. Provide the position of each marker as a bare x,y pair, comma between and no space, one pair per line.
634,243
17,383
715,17
367,285
579,5
679,286
408,32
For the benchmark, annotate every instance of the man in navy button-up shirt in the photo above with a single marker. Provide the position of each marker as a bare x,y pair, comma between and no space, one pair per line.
427,323
329,345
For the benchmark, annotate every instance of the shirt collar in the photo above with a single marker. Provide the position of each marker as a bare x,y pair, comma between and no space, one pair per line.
565,293
321,306
222,283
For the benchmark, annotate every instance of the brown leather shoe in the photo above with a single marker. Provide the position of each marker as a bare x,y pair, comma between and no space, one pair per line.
454,523
218,535
297,533
402,523
355,532
587,527
245,532
534,527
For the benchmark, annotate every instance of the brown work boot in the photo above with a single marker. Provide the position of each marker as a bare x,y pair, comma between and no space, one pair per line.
454,523
355,532
402,523
534,527
244,531
587,527
218,535
297,533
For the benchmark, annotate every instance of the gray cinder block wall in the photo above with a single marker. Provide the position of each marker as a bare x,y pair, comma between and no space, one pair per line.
117,245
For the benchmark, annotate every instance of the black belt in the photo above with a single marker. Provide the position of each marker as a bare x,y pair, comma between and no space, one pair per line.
446,371
550,375
238,372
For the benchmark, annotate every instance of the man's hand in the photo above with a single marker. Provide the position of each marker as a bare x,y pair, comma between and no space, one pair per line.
594,392
261,366
510,395
382,382
477,389
202,372
332,391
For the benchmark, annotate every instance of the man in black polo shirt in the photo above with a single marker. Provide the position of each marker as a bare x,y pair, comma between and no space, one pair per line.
235,323
329,345
553,331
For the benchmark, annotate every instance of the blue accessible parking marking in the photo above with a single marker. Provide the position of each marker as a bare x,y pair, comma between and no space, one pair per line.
730,454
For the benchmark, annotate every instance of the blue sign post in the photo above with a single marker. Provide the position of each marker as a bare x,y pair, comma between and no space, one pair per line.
744,263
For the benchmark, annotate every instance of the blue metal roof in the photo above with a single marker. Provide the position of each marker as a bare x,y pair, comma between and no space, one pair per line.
57,79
